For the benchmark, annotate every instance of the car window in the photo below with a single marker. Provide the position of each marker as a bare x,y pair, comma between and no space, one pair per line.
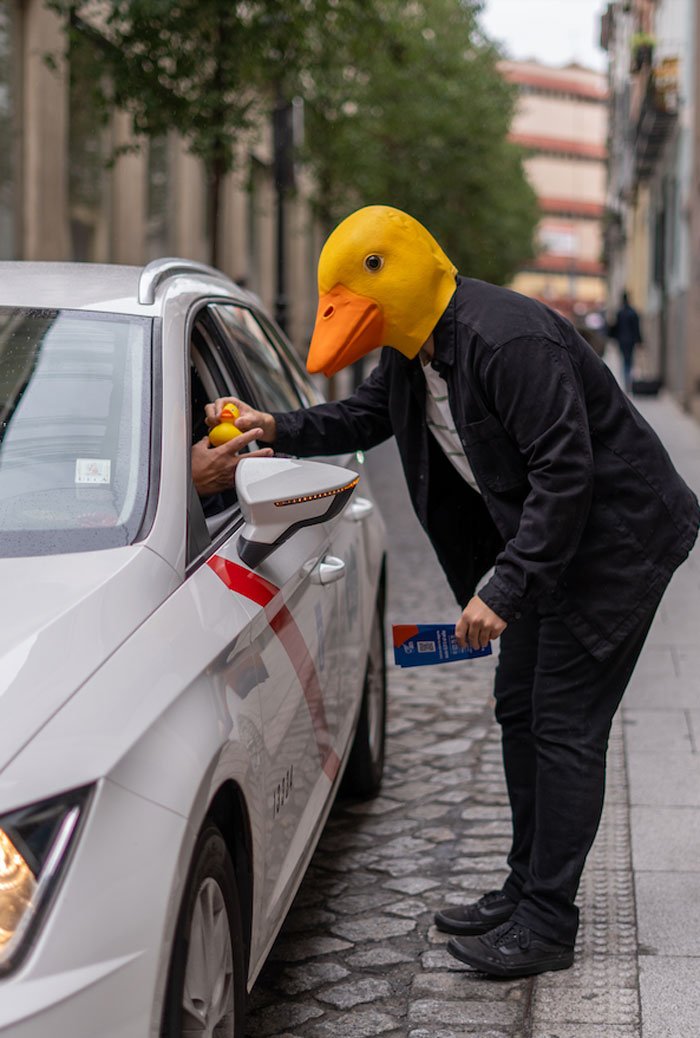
262,365
210,516
306,389
75,413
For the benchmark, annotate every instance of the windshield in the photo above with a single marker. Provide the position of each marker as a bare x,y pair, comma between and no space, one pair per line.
75,404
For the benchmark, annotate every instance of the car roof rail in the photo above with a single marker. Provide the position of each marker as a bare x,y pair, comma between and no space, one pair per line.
157,271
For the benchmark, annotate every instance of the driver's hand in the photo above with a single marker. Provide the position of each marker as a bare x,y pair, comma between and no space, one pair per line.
248,418
214,468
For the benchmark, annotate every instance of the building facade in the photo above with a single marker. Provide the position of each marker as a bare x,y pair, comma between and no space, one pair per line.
561,120
653,203
62,199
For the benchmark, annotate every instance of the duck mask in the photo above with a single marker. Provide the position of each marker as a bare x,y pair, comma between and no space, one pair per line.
383,280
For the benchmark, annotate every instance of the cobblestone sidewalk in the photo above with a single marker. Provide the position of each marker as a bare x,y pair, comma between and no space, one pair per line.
359,955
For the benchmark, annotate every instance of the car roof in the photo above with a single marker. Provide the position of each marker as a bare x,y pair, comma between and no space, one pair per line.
110,287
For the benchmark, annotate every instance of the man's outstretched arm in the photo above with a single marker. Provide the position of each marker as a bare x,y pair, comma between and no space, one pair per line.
357,423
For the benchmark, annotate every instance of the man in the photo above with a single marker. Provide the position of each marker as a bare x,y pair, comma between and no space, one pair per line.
627,330
520,453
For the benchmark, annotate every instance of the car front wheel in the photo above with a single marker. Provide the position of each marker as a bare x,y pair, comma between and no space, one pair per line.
206,986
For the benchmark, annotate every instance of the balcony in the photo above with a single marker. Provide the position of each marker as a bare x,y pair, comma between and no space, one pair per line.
658,114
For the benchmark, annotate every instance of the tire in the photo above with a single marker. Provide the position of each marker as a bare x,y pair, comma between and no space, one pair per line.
205,989
363,775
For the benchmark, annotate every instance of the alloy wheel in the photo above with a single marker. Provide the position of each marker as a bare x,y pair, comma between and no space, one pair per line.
207,997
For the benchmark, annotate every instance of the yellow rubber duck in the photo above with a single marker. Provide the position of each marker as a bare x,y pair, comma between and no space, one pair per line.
383,280
225,430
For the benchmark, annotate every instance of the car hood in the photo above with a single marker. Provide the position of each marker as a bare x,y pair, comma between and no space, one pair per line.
61,617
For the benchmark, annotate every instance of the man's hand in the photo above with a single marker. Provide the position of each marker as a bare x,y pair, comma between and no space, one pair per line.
213,468
248,418
478,625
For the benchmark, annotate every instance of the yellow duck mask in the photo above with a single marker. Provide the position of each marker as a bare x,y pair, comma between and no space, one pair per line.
383,280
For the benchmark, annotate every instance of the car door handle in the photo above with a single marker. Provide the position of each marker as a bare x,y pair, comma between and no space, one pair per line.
359,509
328,570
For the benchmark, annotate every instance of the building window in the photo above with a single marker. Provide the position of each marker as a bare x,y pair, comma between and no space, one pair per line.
8,198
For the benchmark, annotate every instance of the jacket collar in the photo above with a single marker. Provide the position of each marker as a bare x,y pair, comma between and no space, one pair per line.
445,332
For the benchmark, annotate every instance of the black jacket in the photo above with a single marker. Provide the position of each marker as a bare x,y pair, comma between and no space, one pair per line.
581,510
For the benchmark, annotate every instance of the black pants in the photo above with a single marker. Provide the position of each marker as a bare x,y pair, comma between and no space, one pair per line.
555,704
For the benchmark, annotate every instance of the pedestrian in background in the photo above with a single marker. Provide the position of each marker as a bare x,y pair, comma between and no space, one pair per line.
521,454
628,333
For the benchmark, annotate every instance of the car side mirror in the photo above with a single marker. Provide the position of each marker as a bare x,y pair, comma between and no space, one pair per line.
279,496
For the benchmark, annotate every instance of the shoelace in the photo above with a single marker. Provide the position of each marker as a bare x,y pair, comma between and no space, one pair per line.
509,933
492,895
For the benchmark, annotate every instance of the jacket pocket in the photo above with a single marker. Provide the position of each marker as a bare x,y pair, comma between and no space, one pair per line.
492,455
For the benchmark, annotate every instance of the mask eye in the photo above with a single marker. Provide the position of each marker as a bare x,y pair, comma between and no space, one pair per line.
373,262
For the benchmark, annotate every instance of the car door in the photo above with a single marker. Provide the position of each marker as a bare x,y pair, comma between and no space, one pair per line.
294,637
278,383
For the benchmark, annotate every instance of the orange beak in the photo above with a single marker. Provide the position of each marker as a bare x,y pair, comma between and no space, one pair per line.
348,326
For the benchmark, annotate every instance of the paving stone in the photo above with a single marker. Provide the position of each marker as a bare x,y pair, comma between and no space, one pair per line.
282,1016
461,985
410,908
373,928
363,1024
484,862
406,791
440,959
478,1029
311,975
452,796
668,906
412,884
379,957
346,996
428,811
393,826
378,806
601,1005
488,813
438,835
354,904
479,845
578,1030
308,919
670,997
440,1011
296,950
402,845
449,747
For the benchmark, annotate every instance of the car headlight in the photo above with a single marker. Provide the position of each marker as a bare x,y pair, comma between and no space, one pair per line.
34,843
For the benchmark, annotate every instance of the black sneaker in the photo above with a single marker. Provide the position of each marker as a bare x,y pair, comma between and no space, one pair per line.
511,950
483,915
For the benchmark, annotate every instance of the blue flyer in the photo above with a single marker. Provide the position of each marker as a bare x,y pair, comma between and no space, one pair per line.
422,645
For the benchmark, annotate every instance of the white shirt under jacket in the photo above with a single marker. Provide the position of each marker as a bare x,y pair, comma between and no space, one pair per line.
441,423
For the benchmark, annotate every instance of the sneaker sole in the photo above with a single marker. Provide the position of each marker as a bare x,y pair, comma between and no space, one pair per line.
446,925
494,970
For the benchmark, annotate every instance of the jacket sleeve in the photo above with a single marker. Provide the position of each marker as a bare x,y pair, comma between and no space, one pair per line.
357,423
537,395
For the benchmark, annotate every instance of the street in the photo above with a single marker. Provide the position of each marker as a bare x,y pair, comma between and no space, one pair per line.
359,954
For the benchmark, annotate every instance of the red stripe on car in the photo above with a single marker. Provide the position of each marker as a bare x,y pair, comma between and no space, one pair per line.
243,581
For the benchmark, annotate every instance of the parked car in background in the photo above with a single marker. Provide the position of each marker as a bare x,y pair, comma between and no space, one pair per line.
177,711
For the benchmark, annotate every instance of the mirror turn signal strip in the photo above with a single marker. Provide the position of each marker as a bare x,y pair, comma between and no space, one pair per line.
316,497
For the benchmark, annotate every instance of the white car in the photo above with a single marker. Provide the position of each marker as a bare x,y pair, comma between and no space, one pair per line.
183,682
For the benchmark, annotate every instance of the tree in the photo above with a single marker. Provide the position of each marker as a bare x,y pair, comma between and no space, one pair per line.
404,101
208,69
420,120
